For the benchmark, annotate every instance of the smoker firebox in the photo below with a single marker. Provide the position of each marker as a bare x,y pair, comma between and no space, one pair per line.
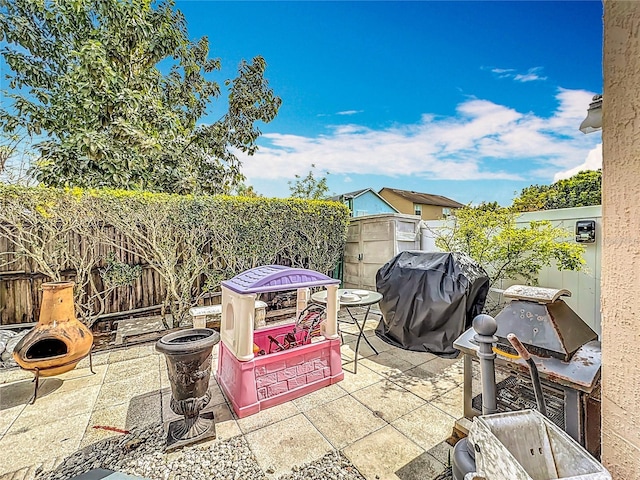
516,393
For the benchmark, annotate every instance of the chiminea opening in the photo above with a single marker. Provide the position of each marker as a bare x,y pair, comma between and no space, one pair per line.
46,348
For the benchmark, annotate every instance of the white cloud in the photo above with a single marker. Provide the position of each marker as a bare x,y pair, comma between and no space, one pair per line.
341,113
349,112
347,179
500,71
592,162
572,106
484,140
531,75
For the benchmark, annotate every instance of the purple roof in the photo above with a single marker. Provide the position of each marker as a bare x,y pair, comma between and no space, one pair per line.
273,278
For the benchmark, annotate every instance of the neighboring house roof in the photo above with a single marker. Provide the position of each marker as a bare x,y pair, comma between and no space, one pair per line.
425,198
346,196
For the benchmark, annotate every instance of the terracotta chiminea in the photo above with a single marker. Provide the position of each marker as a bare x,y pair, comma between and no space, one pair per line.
58,341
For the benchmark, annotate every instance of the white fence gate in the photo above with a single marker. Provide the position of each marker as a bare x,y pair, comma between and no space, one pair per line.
584,286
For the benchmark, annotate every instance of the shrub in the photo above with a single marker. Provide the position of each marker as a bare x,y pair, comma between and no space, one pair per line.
192,242
490,236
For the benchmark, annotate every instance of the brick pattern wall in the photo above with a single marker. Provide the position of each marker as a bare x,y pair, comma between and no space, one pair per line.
279,377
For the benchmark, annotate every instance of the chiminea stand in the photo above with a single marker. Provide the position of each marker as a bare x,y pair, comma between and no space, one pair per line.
36,371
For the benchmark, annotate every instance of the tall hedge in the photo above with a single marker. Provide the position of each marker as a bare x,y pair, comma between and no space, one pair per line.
192,242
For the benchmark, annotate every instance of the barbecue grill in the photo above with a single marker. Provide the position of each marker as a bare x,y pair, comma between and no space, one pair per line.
567,354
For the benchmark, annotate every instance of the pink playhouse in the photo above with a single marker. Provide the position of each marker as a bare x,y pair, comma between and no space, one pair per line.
254,382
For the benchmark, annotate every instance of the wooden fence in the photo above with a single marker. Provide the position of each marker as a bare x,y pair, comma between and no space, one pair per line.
20,282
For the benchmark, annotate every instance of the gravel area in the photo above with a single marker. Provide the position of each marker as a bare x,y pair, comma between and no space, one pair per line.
141,453
332,466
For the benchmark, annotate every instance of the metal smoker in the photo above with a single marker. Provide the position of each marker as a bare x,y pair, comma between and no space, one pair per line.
564,380
567,355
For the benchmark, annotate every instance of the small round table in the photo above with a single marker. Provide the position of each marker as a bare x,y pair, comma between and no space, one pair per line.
365,298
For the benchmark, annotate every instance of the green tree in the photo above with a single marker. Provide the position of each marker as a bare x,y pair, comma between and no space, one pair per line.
244,190
489,207
309,187
84,75
531,199
581,190
491,238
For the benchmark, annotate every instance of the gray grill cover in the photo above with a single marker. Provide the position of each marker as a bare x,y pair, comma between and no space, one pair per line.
429,299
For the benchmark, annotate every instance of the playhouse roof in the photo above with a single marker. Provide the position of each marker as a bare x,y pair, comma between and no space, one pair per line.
274,278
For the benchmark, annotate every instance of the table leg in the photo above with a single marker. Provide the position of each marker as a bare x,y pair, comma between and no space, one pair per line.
360,335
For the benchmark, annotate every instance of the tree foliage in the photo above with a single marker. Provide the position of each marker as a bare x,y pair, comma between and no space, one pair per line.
310,187
490,236
85,76
244,190
169,232
581,190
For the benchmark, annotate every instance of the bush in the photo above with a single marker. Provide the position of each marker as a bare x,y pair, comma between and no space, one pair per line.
192,242
490,236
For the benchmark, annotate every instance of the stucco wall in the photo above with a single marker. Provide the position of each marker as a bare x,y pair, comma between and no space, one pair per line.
401,204
431,212
621,241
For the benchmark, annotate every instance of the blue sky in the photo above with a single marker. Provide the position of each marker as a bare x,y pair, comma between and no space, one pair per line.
472,100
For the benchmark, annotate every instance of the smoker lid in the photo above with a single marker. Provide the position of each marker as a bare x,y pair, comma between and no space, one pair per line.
271,278
543,322
536,294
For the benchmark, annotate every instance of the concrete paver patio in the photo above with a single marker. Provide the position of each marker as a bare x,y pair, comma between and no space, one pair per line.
390,419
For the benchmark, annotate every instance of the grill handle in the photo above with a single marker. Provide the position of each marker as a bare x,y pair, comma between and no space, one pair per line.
533,369
520,348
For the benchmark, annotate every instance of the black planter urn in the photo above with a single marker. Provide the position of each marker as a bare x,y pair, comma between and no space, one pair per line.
188,353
